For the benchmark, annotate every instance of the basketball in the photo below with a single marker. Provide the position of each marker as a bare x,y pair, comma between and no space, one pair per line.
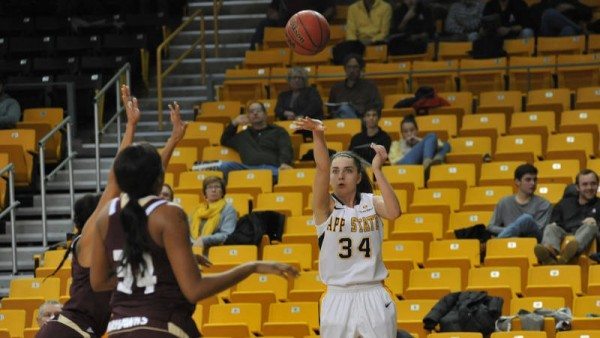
307,32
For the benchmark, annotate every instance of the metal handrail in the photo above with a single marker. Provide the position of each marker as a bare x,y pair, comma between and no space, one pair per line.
44,178
10,168
116,79
217,5
160,74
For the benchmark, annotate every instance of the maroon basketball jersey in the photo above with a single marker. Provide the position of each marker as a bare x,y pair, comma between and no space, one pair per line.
154,293
88,309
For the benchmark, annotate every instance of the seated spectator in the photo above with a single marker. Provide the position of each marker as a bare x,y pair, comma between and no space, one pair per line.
301,100
371,133
10,110
523,214
411,29
260,145
513,18
280,11
573,215
368,21
166,192
351,97
463,20
214,219
561,17
48,310
411,149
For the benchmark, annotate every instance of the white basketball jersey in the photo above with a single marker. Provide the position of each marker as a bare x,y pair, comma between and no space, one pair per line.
351,248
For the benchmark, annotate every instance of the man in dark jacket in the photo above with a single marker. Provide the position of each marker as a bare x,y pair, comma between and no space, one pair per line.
560,17
513,18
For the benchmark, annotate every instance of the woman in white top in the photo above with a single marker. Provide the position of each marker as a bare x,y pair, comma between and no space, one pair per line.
350,235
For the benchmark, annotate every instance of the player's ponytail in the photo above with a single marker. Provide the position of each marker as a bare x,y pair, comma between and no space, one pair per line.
139,173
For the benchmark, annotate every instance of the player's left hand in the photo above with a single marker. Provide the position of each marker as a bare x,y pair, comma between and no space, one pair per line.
203,260
276,268
179,126
380,155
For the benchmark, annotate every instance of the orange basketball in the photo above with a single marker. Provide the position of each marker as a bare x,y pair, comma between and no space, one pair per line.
307,32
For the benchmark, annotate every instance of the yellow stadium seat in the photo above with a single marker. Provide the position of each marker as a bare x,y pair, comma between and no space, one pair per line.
444,126
519,334
337,33
302,225
274,37
305,147
560,45
556,100
593,284
30,332
469,150
410,314
219,111
48,289
233,320
203,307
558,280
289,203
296,319
216,153
484,124
455,335
475,79
582,306
588,98
190,182
578,146
278,285
542,123
198,316
574,77
529,73
189,202
519,47
43,120
498,173
308,286
241,202
64,273
553,192
441,200
433,283
459,253
276,57
511,252
525,148
484,198
579,334
20,146
463,219
581,121
183,159
52,258
376,53
321,58
395,282
200,130
403,255
391,125
299,255
557,171
391,99
419,226
436,74
254,181
407,177
341,130
225,257
390,78
245,84
461,103
498,281
454,50
295,180
13,321
506,102
327,76
460,176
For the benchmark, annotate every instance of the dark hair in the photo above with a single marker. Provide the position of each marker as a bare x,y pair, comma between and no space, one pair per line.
374,107
364,186
83,209
524,169
409,119
212,179
357,57
139,173
262,105
584,172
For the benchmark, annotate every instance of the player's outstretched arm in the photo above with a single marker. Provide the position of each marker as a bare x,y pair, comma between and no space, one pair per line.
387,205
177,133
321,199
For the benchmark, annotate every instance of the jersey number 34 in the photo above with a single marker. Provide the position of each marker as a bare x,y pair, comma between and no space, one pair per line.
346,247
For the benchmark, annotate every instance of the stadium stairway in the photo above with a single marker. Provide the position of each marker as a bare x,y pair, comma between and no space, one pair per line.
238,18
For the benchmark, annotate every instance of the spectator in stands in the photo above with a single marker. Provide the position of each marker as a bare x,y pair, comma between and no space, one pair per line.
370,134
513,18
10,110
301,100
260,145
411,28
573,215
280,11
351,97
561,17
463,20
411,149
523,214
214,219
167,192
48,310
368,21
